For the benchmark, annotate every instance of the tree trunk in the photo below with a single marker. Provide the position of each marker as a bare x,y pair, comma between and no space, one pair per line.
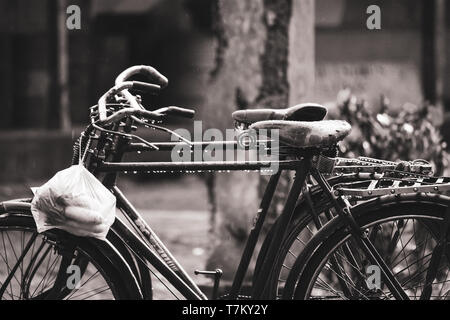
257,41
439,52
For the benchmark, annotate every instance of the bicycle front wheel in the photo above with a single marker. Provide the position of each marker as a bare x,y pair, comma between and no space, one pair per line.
56,266
410,239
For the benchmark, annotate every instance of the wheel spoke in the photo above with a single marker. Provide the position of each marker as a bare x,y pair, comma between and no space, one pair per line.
30,264
411,241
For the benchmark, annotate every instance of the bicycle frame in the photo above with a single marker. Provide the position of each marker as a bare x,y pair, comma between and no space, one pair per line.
163,260
142,242
169,267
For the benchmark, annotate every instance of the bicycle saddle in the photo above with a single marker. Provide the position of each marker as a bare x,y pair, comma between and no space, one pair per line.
301,112
303,134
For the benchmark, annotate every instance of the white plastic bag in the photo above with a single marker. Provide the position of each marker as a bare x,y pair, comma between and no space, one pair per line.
74,201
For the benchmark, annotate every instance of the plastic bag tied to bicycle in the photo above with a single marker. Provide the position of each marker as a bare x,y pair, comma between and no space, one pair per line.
74,201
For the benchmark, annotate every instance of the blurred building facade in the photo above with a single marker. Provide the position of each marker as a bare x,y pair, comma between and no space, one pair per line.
177,37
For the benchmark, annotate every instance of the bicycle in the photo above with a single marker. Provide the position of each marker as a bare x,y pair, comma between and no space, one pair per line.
122,262
314,209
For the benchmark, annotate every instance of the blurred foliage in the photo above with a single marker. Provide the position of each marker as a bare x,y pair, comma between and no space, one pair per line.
406,135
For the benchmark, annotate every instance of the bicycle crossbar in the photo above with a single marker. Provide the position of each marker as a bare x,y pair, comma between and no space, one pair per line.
197,166
169,146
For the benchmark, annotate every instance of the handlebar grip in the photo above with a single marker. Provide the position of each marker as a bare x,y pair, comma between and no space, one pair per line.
146,87
179,112
151,73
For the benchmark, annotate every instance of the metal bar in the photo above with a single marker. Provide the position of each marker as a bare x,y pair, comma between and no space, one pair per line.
168,146
437,255
336,266
140,246
14,206
370,193
19,261
254,235
374,256
363,242
362,168
154,240
281,226
196,166
311,207
61,277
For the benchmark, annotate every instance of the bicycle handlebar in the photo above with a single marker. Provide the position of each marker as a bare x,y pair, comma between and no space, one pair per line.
142,86
102,101
150,115
177,111
151,73
119,115
123,85
146,87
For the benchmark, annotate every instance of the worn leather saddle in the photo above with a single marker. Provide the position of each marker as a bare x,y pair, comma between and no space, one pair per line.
301,112
307,134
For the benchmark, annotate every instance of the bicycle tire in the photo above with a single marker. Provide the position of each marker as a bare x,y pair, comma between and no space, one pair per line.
99,254
302,220
137,265
328,244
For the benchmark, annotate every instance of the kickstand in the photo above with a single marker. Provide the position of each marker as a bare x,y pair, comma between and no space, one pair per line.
217,275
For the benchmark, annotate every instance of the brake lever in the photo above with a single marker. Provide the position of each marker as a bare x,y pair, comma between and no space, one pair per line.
129,112
177,112
151,125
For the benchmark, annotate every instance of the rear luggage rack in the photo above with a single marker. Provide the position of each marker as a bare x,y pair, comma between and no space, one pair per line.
362,190
339,166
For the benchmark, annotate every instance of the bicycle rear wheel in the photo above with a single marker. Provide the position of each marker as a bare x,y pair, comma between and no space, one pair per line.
301,229
55,265
409,237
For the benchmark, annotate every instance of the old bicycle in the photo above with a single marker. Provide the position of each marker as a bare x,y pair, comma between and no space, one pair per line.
362,197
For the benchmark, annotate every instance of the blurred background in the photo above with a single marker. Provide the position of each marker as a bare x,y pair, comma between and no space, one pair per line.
405,61
221,56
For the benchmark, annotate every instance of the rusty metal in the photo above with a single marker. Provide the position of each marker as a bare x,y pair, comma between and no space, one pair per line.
362,190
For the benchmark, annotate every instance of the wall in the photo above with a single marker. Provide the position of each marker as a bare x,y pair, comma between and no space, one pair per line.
371,63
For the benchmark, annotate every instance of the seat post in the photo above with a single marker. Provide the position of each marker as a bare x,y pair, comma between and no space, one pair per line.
299,180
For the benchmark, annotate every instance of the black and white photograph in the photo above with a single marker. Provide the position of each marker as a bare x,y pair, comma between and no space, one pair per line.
256,153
